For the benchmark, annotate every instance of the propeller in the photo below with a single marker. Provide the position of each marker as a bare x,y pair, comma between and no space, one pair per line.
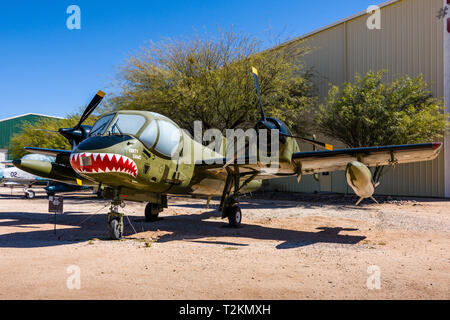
80,132
272,123
91,107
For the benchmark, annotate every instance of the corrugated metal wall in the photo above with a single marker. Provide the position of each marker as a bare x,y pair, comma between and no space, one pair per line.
410,42
10,127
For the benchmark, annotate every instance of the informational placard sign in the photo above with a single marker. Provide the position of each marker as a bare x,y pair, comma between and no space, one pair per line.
55,204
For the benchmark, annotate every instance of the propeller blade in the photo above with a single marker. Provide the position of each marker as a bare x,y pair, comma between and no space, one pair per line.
91,107
258,90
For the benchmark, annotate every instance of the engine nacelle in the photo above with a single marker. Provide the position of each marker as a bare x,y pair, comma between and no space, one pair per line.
359,177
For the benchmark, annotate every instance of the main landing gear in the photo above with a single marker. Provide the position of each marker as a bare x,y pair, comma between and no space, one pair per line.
229,204
152,211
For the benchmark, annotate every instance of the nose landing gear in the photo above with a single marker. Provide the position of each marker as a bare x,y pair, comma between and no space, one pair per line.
115,221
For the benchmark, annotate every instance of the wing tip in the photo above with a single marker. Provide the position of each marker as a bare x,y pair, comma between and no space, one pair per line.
437,145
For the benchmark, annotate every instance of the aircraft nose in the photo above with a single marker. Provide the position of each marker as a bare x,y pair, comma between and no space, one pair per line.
102,163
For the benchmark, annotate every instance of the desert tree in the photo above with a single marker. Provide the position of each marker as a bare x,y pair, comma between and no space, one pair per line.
208,78
370,112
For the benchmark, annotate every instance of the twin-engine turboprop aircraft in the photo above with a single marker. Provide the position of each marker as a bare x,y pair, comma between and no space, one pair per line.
144,156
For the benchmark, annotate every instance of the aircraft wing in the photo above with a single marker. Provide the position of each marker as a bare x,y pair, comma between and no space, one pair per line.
326,161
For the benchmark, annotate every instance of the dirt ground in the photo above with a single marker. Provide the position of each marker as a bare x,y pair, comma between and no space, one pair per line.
316,248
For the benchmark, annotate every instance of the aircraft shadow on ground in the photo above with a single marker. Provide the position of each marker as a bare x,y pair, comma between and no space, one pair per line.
273,204
190,227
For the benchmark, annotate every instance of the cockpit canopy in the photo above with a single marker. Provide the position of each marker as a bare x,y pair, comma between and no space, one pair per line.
155,131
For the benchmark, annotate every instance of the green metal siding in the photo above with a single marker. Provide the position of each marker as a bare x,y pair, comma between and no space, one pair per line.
10,127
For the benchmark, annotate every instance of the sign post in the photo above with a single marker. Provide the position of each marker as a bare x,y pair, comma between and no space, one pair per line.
55,205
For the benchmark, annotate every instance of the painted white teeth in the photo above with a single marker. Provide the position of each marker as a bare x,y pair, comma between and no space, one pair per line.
121,163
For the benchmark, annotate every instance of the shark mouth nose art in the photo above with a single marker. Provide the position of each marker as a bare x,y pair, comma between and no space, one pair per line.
103,163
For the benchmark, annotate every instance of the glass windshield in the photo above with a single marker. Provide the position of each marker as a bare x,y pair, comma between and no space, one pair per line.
127,124
100,126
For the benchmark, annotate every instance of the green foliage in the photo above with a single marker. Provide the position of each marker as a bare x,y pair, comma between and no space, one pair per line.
33,135
371,113
209,79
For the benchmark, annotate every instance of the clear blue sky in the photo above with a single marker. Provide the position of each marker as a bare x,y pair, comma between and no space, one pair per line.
46,68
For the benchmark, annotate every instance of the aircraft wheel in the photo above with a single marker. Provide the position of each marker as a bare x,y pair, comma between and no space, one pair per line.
234,216
30,194
151,212
115,229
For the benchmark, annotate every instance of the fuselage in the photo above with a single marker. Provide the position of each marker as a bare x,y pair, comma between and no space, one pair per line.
145,151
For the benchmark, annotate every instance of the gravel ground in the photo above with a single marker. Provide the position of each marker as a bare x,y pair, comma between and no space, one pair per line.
301,247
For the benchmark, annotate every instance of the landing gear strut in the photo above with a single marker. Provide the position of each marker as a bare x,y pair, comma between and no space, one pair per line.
115,221
229,204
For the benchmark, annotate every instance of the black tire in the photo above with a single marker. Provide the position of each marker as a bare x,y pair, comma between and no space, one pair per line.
234,216
30,194
115,229
151,212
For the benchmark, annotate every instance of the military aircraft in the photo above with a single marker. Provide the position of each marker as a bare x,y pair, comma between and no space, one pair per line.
144,156
13,177
16,178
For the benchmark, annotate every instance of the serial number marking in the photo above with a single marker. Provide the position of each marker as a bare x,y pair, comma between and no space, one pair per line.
246,309
228,309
